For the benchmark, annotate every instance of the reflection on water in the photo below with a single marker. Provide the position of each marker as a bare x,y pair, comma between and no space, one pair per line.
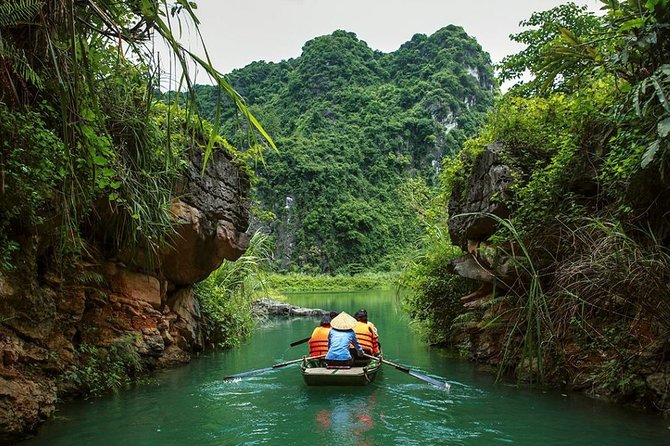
193,406
348,419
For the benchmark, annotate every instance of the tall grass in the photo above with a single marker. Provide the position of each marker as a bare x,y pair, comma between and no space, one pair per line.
598,283
530,318
227,294
608,270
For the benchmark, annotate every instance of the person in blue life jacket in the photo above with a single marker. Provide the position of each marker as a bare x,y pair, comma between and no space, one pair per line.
339,338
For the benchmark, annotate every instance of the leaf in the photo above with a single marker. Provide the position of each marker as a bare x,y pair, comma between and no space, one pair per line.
652,4
632,24
649,154
568,36
100,160
664,128
660,94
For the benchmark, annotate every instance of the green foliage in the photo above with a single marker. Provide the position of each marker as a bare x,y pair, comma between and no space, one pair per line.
629,46
321,282
14,13
556,49
546,141
434,294
353,126
587,142
84,142
99,370
227,294
619,378
32,167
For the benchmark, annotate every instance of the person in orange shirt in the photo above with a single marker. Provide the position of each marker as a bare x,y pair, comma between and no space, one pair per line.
318,343
366,333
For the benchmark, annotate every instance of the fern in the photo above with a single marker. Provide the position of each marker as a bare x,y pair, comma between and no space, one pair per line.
19,12
89,278
17,60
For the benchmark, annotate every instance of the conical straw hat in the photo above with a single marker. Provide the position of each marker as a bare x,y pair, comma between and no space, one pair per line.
343,321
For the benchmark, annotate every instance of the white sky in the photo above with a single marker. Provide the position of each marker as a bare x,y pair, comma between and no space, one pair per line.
238,32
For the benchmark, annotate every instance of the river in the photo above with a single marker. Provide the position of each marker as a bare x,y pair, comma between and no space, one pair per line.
194,406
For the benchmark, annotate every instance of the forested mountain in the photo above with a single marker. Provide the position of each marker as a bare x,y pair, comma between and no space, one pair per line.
353,125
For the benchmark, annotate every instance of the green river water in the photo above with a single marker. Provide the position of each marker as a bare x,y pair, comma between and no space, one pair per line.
193,406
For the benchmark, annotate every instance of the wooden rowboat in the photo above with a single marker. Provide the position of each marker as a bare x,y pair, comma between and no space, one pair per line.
315,373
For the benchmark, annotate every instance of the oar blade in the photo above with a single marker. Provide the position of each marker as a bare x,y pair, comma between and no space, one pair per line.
249,373
437,383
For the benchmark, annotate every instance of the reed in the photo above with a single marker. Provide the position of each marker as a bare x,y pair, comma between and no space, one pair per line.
226,296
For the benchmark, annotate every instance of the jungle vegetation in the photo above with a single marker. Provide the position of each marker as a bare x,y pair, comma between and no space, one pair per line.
90,157
588,142
358,131
82,136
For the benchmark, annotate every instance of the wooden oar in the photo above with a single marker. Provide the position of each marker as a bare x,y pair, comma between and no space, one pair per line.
267,369
302,341
421,376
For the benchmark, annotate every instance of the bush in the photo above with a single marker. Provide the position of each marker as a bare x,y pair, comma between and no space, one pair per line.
228,314
33,164
99,370
434,299
227,294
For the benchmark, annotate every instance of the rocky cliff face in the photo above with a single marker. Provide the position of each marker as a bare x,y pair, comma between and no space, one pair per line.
610,346
472,204
117,311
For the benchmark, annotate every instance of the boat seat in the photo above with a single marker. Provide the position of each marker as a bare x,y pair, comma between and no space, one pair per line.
323,371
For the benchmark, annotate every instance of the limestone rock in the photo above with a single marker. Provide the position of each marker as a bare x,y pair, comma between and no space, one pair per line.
212,216
173,356
6,288
135,286
153,343
72,304
221,192
486,191
270,307
468,267
200,245
32,313
186,306
659,384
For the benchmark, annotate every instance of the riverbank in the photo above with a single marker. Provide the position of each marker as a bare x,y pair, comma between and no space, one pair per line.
264,308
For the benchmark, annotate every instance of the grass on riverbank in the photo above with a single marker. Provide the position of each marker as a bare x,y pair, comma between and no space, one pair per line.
304,282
